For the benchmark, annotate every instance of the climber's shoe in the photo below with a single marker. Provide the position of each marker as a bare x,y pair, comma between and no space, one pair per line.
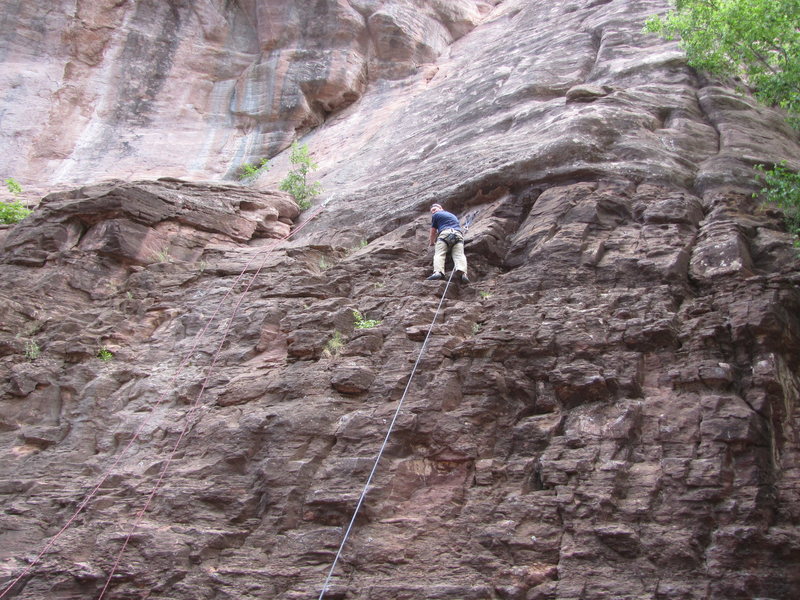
463,277
435,276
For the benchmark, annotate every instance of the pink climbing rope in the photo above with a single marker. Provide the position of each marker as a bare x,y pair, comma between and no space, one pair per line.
199,337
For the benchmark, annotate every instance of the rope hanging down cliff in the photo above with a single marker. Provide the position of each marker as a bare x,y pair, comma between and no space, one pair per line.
191,352
385,441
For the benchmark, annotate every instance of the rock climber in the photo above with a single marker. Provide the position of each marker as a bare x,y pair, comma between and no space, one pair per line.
446,233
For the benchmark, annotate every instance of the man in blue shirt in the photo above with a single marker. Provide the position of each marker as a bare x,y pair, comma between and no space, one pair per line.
447,235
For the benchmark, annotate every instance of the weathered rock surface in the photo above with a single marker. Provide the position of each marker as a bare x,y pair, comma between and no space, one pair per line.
610,410
102,88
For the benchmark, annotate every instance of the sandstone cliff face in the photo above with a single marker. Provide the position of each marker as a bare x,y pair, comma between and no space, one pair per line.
610,410
102,88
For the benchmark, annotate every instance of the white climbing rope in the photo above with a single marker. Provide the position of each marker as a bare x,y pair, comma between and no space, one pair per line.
385,441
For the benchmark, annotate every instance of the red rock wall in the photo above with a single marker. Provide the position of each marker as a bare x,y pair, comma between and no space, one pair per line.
99,89
609,410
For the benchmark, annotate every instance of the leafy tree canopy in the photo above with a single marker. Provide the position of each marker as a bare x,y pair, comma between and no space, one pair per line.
757,40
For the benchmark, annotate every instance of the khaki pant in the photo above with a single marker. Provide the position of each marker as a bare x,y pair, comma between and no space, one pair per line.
457,252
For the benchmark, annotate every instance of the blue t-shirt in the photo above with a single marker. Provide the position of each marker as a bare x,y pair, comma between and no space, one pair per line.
442,220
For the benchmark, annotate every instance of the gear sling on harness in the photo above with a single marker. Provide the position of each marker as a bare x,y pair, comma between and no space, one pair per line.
451,239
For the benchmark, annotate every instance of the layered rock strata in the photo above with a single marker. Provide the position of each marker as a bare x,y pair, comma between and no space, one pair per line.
608,411
615,395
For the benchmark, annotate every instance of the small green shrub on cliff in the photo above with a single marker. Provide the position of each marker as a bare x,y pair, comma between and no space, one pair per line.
782,188
296,182
12,212
13,187
252,170
32,350
334,345
162,255
757,40
363,323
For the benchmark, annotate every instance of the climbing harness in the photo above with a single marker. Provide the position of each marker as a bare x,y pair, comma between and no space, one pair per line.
452,238
385,441
200,335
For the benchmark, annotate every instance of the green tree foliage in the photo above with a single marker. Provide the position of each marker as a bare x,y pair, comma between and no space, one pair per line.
782,188
14,211
757,40
296,182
